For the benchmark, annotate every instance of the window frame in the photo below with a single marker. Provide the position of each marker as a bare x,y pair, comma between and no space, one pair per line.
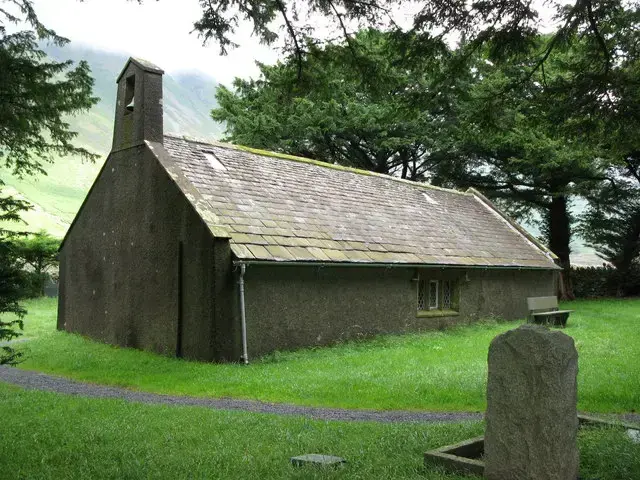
447,286
424,304
430,305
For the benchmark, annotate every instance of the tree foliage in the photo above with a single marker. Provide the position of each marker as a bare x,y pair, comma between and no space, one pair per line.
37,254
612,222
12,281
509,27
356,104
516,150
595,102
37,94
36,97
534,120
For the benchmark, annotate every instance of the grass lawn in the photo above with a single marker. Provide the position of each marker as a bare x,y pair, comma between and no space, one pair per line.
46,435
441,370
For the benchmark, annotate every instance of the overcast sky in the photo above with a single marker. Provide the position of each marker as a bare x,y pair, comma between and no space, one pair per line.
159,31
155,31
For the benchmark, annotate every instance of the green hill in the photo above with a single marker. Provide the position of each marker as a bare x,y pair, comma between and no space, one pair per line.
188,99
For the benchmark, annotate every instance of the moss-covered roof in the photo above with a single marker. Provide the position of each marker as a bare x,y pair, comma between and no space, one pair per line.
277,207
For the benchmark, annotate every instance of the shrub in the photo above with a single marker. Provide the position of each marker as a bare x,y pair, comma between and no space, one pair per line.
605,281
38,254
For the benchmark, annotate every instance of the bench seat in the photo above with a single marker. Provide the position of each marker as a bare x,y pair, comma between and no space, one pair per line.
544,310
551,313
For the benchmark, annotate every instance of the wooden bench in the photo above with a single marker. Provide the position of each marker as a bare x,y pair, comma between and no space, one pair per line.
544,310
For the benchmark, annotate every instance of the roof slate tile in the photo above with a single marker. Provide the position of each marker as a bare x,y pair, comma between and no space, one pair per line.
241,251
336,255
260,252
319,254
278,209
280,253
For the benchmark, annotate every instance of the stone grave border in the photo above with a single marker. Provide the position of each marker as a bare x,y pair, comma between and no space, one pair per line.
465,457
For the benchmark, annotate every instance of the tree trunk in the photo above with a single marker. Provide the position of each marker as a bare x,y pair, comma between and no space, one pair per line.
40,275
404,158
405,168
559,240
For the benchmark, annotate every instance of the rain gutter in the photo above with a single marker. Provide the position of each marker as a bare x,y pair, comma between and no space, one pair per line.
388,265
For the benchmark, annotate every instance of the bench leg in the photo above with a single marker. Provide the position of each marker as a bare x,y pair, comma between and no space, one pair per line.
560,320
546,321
563,319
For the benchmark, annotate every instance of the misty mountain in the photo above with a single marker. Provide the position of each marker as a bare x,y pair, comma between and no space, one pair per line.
188,100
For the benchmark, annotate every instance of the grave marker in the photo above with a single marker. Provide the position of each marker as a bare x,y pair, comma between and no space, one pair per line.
532,418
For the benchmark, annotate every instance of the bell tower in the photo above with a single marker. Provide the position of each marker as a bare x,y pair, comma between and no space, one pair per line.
139,105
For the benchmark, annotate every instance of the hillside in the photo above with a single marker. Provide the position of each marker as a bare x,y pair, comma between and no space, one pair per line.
188,99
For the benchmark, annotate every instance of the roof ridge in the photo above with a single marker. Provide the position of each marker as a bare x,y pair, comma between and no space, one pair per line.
310,161
189,138
141,63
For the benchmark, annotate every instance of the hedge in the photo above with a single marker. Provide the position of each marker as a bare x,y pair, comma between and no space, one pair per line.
605,281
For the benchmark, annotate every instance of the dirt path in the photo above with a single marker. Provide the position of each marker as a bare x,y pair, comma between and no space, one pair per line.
40,381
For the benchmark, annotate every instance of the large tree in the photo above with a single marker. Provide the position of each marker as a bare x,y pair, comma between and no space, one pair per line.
513,149
546,133
611,223
37,254
480,131
364,103
36,97
509,26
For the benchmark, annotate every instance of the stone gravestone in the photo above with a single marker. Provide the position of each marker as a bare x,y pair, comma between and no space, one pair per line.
532,419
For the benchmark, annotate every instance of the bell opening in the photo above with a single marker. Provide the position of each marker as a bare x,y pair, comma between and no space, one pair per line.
129,95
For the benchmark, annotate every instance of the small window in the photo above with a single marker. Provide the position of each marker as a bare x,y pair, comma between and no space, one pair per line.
433,294
429,199
446,294
215,163
422,293
436,295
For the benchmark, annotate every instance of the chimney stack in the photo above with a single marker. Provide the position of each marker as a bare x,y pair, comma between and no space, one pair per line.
139,105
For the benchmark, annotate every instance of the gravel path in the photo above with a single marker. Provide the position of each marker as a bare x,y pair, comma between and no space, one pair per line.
5,343
40,381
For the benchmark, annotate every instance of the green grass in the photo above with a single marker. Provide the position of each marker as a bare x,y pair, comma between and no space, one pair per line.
442,370
46,435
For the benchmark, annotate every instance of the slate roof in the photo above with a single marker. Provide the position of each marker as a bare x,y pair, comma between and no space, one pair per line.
294,209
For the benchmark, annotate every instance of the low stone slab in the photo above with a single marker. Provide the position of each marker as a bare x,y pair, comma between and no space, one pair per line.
634,435
609,422
317,460
464,457
467,457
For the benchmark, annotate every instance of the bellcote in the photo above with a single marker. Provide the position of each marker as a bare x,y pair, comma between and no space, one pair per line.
138,105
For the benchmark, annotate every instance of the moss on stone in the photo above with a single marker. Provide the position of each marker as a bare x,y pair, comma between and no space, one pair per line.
285,156
436,313
295,158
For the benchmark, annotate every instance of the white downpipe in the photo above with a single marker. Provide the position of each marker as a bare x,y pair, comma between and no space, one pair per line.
243,317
